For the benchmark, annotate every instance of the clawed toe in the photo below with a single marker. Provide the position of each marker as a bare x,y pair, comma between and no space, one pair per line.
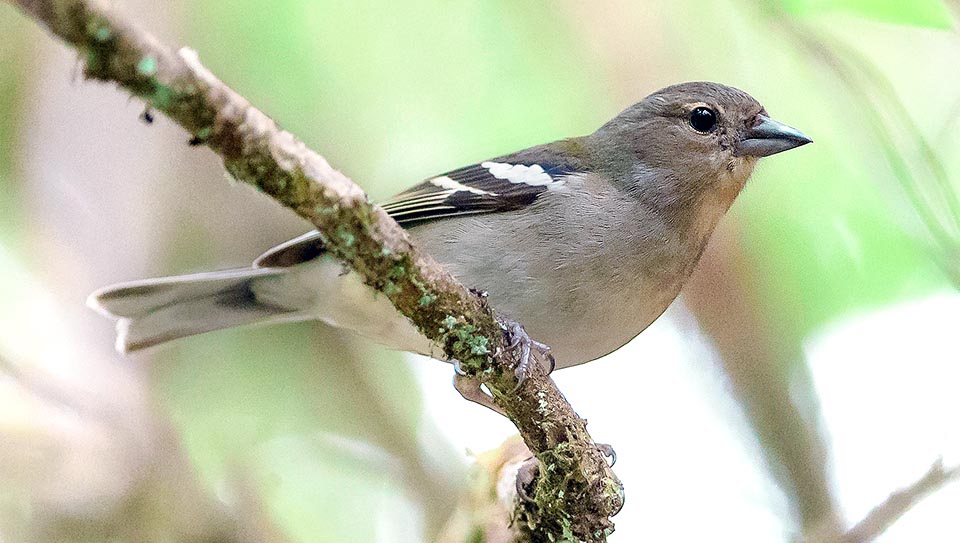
607,451
470,387
546,356
517,338
527,473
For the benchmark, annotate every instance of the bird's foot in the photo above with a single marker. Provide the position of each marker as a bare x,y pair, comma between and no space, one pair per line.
471,387
528,472
517,339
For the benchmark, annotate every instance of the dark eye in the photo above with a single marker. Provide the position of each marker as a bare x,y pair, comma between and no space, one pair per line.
703,119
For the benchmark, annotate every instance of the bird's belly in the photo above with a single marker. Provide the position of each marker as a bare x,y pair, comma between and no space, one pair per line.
579,326
581,329
584,284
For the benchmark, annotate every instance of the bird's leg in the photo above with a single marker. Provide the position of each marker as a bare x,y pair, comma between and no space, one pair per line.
470,388
517,338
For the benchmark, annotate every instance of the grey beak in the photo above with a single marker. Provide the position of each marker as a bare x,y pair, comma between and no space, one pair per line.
770,137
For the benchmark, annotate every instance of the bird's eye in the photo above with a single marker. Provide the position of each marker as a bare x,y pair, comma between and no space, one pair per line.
703,119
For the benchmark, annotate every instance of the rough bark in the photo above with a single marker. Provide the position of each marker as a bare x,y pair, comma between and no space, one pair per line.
576,497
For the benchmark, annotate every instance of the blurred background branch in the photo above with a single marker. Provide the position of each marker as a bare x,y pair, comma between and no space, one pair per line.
899,503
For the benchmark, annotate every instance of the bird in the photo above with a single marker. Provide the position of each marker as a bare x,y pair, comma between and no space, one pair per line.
585,241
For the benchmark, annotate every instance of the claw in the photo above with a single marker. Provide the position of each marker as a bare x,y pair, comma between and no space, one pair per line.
527,473
545,352
470,387
607,451
518,338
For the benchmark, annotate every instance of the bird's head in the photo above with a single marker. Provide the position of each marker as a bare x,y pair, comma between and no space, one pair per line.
693,139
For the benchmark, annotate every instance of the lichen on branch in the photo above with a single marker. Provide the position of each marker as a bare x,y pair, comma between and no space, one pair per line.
578,493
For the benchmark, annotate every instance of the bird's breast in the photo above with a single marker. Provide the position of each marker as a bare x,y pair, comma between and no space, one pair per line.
584,279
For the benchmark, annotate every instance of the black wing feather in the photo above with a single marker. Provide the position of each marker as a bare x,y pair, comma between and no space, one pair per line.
482,191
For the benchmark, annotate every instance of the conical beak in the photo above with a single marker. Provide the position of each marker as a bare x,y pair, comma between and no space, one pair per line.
770,137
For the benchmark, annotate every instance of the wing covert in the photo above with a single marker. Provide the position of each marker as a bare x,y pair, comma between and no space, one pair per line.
505,183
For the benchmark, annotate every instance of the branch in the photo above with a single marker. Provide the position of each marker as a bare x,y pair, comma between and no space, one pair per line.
580,493
897,504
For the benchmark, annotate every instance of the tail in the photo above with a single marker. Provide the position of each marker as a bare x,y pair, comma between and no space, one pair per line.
155,311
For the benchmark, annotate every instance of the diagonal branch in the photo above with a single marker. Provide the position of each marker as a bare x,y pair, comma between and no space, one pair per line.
897,504
582,493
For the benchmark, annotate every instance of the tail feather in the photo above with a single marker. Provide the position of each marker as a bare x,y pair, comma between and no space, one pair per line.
136,298
155,311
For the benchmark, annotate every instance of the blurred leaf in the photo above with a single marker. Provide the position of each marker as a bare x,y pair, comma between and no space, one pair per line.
927,13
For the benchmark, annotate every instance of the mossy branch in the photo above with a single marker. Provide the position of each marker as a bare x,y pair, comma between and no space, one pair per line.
579,494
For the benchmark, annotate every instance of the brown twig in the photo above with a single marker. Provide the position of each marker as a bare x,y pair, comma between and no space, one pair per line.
581,494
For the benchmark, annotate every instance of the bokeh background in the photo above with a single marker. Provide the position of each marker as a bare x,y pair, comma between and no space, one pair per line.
810,368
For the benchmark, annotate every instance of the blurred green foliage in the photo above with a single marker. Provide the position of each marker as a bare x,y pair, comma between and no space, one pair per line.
824,225
425,86
929,13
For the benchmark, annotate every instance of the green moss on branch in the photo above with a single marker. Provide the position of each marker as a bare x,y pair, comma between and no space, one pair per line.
577,493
